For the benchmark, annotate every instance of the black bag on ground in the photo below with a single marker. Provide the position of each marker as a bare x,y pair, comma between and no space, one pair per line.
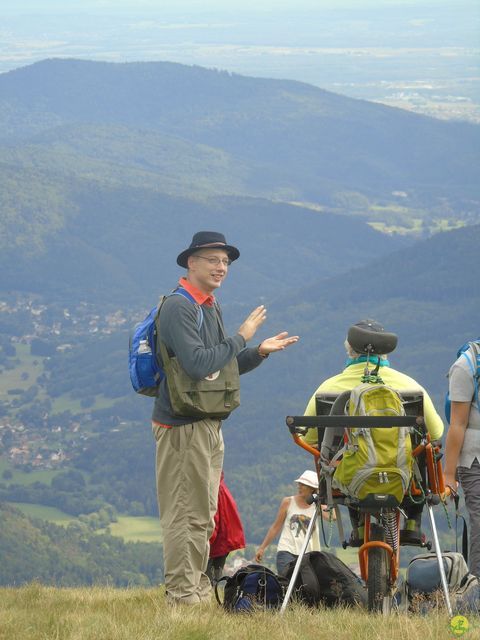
251,588
324,578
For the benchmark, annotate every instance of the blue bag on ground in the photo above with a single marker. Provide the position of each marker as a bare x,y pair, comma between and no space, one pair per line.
251,588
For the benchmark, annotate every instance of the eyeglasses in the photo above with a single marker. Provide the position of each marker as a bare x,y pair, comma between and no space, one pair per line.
216,261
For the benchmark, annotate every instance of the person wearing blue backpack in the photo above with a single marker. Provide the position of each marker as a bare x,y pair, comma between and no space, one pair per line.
462,449
199,390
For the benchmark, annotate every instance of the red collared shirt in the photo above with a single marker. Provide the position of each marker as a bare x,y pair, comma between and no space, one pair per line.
197,295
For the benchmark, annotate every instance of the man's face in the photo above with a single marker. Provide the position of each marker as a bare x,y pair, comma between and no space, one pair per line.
208,268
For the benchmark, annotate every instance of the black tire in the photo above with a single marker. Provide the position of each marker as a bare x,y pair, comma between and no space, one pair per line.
378,570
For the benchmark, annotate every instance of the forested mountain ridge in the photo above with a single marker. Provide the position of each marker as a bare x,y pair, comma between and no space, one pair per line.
259,137
119,244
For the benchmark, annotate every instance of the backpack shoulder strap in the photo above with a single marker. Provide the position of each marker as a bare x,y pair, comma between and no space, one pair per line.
476,352
180,291
472,356
219,320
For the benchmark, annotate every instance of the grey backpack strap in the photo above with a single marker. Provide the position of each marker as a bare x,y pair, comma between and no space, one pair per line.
218,314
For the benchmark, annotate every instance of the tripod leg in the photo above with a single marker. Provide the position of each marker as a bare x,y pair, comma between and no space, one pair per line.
441,567
308,535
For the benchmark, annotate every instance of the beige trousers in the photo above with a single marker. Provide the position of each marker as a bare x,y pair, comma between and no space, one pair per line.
188,467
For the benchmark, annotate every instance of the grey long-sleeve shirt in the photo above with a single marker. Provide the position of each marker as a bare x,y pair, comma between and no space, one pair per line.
200,352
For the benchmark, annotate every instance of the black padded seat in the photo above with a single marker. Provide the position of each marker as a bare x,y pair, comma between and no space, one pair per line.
366,341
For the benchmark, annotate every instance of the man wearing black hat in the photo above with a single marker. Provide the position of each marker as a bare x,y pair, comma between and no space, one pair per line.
349,378
201,388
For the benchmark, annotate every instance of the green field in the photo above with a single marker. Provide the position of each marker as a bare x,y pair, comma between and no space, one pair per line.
23,375
51,514
137,529
26,372
20,477
65,403
130,528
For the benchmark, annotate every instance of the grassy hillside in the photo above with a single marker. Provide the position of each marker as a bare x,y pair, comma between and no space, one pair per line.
37,612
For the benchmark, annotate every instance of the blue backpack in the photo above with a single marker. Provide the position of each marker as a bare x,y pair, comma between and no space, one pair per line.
145,371
471,352
251,588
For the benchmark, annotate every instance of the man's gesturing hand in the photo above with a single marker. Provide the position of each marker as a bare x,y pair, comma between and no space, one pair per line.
276,343
250,325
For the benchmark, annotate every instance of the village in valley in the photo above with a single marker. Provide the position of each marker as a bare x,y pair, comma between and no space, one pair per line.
38,430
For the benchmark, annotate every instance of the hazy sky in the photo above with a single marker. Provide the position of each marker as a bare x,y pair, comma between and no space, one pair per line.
40,6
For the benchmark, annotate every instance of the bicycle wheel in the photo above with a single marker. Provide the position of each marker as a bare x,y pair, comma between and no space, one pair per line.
378,569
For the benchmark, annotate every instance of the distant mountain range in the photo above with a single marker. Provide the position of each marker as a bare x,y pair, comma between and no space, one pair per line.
196,132
107,169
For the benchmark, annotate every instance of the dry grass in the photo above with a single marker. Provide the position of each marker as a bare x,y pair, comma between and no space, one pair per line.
36,612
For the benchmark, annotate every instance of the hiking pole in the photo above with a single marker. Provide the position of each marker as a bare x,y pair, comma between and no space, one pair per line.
439,557
308,535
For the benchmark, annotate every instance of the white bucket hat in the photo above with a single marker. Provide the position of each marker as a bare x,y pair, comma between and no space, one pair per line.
309,478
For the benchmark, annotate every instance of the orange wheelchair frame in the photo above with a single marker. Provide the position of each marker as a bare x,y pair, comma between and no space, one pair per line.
434,492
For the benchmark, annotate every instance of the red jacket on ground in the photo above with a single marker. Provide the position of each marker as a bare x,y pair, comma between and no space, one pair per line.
228,534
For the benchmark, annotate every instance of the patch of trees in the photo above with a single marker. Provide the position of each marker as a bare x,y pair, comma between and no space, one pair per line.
74,503
32,549
39,347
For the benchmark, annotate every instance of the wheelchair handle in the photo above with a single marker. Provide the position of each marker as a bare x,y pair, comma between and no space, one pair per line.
359,422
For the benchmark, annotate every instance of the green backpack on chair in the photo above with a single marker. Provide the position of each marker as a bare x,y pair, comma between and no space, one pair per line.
375,461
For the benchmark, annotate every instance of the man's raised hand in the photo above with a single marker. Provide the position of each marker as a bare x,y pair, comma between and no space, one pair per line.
277,343
250,325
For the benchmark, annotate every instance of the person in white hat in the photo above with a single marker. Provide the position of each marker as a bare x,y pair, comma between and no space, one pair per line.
292,520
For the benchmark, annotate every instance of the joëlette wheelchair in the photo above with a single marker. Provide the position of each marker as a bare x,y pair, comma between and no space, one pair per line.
379,555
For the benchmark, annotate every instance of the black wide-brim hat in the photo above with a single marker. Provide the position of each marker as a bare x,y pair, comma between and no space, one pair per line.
207,240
